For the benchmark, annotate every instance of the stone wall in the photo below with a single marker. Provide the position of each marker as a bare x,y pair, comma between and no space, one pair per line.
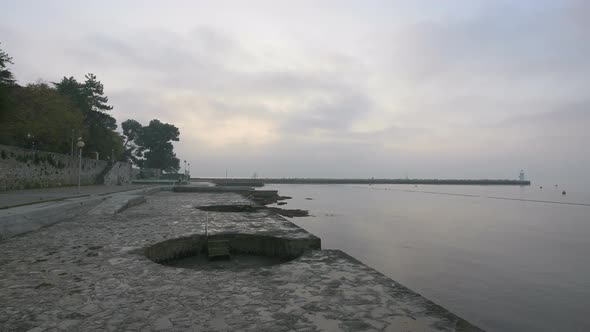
27,169
121,173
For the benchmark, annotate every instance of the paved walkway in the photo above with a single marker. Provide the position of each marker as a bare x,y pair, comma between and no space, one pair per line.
32,196
92,274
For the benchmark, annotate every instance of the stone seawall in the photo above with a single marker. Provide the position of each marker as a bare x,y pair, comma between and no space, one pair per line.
27,169
121,173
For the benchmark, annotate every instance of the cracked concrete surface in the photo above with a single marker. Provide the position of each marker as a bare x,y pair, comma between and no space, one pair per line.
90,274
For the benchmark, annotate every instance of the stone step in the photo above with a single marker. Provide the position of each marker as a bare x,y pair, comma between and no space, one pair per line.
216,252
217,243
217,248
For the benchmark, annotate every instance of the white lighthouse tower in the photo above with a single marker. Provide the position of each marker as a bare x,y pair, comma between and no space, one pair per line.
521,175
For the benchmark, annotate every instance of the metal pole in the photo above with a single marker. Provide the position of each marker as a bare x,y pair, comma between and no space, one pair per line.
79,169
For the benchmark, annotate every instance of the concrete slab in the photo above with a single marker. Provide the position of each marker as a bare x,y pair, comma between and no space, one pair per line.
211,189
27,218
24,219
116,204
91,274
35,196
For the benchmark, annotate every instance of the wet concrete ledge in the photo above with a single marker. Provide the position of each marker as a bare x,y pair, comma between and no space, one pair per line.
103,272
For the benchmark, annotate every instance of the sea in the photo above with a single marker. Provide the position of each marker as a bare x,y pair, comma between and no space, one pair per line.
505,258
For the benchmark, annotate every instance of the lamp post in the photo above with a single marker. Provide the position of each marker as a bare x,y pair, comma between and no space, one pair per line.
189,174
80,145
31,141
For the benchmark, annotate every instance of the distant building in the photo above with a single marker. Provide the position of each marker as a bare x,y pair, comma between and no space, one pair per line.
521,175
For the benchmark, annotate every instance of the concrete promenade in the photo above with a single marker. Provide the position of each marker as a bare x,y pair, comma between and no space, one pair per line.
93,273
34,196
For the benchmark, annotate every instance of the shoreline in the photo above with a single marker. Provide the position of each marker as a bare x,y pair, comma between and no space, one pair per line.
262,181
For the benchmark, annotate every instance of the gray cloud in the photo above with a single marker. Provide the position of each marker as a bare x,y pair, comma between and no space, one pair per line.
334,112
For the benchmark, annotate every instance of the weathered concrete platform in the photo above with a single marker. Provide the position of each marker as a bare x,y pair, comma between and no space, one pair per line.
117,203
212,189
92,274
22,219
15,198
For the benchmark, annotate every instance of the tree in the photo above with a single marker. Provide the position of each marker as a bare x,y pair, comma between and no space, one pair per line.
6,83
40,118
99,126
131,131
45,118
6,76
151,146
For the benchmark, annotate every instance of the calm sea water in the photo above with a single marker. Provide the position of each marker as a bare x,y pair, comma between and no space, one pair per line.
503,258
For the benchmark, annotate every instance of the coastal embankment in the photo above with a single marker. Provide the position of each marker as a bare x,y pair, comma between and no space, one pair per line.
201,261
261,181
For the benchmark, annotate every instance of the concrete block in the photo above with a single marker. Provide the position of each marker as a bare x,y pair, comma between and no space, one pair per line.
19,220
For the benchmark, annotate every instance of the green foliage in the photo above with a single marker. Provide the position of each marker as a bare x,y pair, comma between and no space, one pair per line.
99,127
6,82
151,146
93,91
40,118
6,76
131,131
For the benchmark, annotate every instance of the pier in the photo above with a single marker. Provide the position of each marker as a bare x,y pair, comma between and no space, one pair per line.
262,181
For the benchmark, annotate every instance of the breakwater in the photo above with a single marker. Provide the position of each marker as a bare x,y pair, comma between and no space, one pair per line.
262,181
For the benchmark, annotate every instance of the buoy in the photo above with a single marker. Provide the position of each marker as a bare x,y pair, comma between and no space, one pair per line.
541,187
563,192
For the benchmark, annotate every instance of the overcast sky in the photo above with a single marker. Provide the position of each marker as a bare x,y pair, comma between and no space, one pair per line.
427,89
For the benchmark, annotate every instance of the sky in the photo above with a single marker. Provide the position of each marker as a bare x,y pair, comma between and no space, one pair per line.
334,88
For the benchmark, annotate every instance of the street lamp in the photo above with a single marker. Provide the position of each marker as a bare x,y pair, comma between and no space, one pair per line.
80,145
31,141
